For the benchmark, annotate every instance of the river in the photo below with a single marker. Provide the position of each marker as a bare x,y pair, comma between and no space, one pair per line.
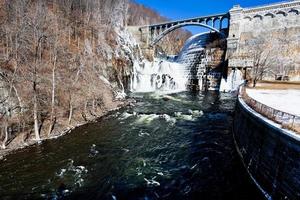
177,146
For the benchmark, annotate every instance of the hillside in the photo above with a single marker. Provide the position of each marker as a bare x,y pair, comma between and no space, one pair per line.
64,63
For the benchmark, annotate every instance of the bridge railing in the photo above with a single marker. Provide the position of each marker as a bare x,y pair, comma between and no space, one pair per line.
287,120
268,4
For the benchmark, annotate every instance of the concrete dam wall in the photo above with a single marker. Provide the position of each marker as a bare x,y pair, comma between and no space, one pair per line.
270,154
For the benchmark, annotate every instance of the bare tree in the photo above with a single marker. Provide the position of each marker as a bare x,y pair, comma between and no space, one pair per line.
57,57
260,53
260,65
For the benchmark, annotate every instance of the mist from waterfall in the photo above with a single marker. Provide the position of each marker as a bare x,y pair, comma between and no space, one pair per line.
233,82
158,76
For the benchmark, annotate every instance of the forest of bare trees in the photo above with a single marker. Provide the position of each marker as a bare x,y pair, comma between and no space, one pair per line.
59,64
52,57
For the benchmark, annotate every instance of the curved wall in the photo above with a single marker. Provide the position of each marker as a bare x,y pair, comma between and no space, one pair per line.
270,154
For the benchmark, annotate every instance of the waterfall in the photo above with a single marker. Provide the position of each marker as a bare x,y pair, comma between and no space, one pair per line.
159,75
195,68
234,80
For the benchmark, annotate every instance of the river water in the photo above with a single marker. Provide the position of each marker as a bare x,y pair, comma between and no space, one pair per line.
177,146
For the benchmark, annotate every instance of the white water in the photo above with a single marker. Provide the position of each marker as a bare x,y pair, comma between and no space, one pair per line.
233,82
159,75
163,76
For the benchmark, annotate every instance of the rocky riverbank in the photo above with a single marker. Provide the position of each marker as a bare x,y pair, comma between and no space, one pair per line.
61,130
18,143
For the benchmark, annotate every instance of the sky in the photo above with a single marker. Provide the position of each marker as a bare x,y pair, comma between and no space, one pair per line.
181,9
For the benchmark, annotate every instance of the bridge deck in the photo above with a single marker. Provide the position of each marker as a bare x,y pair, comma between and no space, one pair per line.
224,15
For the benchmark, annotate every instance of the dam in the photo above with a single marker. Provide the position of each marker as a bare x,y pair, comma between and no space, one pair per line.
181,133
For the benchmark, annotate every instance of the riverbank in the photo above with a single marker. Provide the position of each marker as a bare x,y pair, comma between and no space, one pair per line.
19,142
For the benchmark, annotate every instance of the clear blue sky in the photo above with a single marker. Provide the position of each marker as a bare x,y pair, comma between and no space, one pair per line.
180,9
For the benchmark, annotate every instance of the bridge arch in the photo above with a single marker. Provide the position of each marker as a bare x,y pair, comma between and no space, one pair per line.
294,11
224,22
248,18
217,23
269,15
171,29
281,13
258,17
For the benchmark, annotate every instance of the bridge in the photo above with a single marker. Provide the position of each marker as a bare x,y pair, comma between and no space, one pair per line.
246,29
233,21
152,34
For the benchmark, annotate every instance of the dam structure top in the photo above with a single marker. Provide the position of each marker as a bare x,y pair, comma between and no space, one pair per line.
257,23
223,22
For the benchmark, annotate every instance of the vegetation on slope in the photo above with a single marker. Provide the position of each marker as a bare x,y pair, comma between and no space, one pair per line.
63,63
58,64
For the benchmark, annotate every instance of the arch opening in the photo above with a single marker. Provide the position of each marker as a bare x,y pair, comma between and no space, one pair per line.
224,23
294,12
169,30
248,18
271,15
217,23
258,17
281,13
209,22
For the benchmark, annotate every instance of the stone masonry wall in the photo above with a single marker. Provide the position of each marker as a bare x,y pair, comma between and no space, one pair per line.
271,32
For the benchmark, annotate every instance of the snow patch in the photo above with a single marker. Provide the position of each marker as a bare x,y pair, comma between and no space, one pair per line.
284,100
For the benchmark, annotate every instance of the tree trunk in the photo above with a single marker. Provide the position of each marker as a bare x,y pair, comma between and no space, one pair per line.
35,115
35,97
3,146
94,107
254,82
19,98
83,114
70,111
7,45
52,117
69,37
51,126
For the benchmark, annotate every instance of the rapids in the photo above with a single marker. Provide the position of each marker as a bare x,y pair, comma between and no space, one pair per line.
176,146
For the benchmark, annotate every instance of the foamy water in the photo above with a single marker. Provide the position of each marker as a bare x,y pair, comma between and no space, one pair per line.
159,75
233,82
